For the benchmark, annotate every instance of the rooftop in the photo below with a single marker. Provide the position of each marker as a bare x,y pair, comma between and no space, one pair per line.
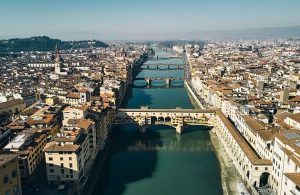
6,157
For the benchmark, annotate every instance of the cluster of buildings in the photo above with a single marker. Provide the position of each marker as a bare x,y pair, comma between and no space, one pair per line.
56,111
254,88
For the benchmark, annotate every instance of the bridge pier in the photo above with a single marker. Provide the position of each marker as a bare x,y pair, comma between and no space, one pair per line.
168,82
179,129
148,82
142,129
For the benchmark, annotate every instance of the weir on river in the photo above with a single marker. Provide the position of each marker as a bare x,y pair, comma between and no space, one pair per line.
160,161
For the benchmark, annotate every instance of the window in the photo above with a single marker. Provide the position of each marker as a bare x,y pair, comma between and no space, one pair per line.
5,179
14,174
50,159
71,165
16,189
51,170
61,158
62,171
256,168
70,158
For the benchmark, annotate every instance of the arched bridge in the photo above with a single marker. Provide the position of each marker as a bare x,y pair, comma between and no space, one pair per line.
167,80
162,67
177,118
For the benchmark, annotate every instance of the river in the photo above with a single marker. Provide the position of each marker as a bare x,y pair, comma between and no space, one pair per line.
160,162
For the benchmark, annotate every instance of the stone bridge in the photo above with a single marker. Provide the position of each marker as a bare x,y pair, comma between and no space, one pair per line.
178,118
162,67
167,80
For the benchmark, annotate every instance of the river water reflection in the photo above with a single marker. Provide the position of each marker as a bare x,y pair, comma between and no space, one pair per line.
160,162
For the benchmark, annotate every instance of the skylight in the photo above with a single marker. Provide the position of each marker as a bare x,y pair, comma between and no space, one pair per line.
292,135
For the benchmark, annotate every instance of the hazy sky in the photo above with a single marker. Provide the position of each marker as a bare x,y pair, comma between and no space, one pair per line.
106,19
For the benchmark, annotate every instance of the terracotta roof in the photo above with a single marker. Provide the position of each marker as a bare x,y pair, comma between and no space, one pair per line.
45,119
83,108
294,177
292,156
73,95
65,139
266,134
84,123
281,116
295,99
292,141
295,117
53,147
83,90
252,123
72,121
253,157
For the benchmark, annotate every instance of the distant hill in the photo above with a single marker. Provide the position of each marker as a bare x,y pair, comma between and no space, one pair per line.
253,33
256,33
44,43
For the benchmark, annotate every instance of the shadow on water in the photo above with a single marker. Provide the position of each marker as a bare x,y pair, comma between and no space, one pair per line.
133,156
147,99
195,128
128,149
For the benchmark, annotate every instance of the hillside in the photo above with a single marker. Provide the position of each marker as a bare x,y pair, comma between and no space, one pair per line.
44,43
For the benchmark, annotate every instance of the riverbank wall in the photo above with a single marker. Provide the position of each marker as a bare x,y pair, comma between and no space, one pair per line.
192,94
229,174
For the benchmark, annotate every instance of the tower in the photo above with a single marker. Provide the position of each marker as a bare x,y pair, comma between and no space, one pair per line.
58,61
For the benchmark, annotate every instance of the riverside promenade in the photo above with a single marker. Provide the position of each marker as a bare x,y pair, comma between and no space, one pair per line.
229,174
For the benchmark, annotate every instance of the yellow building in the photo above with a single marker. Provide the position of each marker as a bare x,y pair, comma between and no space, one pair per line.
10,175
70,155
52,100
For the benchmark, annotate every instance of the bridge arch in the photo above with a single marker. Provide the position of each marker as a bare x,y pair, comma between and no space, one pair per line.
168,119
140,82
161,118
153,119
263,180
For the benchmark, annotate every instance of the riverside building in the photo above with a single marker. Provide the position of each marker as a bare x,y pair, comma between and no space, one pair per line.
253,85
10,174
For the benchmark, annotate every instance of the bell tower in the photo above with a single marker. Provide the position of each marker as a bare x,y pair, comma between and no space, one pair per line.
58,61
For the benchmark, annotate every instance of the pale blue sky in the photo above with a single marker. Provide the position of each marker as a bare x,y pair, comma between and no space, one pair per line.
121,18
